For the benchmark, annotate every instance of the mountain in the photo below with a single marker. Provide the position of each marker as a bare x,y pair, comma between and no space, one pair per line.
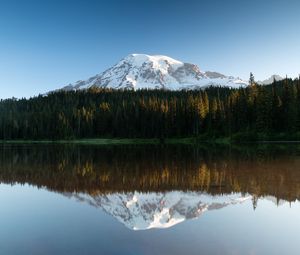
141,211
141,71
270,80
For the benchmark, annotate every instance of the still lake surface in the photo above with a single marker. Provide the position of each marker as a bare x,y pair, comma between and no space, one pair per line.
67,199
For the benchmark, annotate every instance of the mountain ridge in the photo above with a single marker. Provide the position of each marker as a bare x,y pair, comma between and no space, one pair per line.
270,80
142,71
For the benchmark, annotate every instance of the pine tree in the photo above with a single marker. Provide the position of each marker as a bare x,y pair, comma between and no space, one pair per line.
251,79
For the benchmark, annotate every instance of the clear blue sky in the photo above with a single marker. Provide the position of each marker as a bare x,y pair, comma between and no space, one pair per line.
47,44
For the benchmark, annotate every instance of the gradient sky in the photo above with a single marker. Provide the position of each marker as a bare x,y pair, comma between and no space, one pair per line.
45,45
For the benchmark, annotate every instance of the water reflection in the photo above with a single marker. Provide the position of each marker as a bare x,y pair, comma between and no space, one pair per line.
141,211
147,187
193,199
100,170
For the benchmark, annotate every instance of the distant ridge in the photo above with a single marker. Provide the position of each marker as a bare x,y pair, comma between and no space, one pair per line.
271,79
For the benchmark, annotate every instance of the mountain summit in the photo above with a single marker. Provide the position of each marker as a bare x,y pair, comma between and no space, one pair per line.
141,71
271,79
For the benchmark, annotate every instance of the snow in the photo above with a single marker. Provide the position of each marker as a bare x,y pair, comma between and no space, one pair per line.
271,79
158,60
142,71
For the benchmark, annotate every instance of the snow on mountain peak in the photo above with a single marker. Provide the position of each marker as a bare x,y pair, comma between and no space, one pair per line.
271,79
157,60
142,71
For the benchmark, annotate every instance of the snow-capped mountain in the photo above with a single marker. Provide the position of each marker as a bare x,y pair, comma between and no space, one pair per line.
141,211
141,71
271,79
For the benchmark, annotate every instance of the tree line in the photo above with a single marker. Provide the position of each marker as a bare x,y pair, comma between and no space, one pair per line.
270,110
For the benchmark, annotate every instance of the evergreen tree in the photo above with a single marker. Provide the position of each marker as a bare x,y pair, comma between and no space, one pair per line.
100,112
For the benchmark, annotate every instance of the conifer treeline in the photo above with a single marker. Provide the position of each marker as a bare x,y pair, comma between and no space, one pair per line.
214,112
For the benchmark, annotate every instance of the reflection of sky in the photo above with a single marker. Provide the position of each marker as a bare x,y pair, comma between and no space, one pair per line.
40,222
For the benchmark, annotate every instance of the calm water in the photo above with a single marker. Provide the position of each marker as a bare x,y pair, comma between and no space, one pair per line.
149,200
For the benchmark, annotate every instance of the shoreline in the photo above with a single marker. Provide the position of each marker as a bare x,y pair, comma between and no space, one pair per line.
145,141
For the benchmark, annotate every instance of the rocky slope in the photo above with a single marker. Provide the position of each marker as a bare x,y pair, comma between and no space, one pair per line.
141,71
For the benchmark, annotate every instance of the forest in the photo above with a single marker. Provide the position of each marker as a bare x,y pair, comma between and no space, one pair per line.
255,112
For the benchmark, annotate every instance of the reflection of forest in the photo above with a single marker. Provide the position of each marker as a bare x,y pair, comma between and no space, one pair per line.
96,170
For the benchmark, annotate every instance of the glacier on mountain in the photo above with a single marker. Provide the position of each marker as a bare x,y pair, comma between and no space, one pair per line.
141,71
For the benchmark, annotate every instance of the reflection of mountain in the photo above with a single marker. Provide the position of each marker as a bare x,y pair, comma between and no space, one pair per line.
140,211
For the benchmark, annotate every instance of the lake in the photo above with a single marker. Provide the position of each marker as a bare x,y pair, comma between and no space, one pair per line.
149,199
